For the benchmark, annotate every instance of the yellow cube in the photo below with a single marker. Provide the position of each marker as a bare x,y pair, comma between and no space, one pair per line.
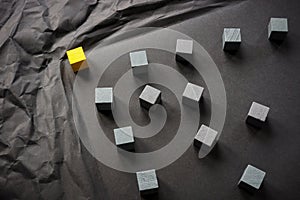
77,58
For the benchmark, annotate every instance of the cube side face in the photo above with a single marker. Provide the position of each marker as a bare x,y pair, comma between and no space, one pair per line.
147,182
252,178
138,58
277,35
246,187
103,95
269,29
184,47
211,137
127,147
145,104
190,102
104,106
197,143
232,35
79,66
279,24
183,58
231,46
124,136
138,70
254,122
180,58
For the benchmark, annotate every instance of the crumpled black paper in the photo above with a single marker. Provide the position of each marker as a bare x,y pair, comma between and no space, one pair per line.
41,156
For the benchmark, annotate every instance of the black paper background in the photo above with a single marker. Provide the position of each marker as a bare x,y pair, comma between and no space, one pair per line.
41,156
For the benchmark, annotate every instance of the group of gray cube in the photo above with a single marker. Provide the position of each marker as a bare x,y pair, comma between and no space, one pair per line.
206,137
124,136
277,31
251,180
253,177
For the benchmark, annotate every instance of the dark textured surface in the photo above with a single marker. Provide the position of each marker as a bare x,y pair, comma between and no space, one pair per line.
41,156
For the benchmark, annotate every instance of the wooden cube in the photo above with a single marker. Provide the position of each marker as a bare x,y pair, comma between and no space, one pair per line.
252,178
139,62
124,138
104,98
184,50
149,97
147,182
257,114
77,59
231,39
277,28
205,137
192,95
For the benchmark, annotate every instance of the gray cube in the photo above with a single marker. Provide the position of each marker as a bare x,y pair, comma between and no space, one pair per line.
147,182
104,98
139,62
124,138
231,39
205,136
192,95
277,28
184,50
252,178
149,97
257,114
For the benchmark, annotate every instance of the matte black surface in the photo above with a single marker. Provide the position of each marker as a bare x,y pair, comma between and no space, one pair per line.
41,156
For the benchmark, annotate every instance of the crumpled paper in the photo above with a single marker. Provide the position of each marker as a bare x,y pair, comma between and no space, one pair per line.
41,156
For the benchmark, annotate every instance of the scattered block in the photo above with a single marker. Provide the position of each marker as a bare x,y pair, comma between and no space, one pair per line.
231,39
104,98
139,62
184,50
257,114
277,28
252,178
149,97
77,59
124,138
147,182
205,136
192,94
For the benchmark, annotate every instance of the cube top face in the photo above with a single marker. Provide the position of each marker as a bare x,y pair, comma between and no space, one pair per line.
253,176
150,94
138,58
232,35
123,135
104,95
278,25
206,135
147,180
76,55
193,92
258,111
184,46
